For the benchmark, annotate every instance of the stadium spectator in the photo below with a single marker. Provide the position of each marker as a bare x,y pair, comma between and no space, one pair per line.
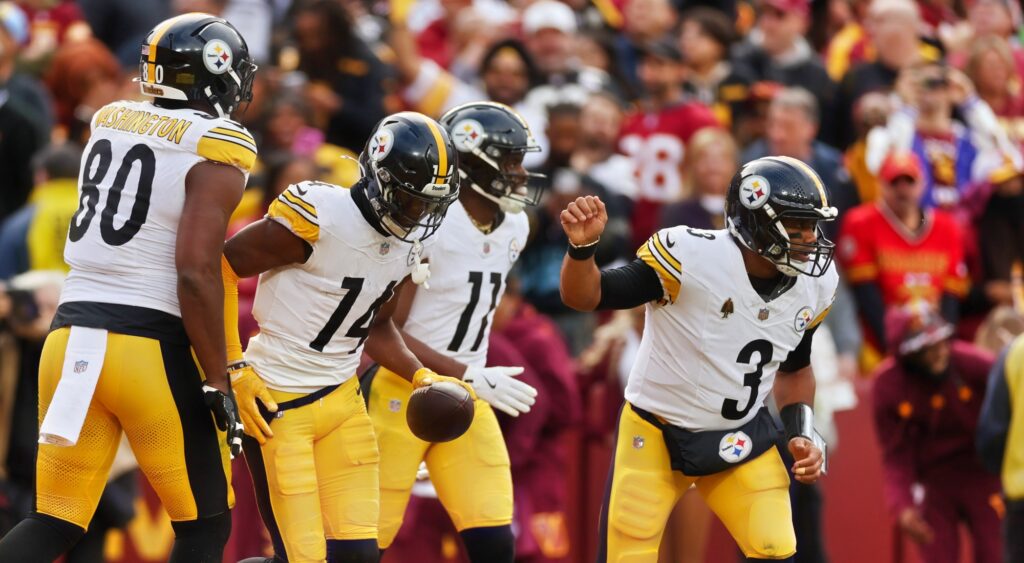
20,89
870,114
706,35
710,164
927,398
951,153
776,51
83,77
346,81
892,29
1000,234
849,45
645,21
33,237
893,251
992,69
655,136
791,130
595,156
1000,425
52,23
123,24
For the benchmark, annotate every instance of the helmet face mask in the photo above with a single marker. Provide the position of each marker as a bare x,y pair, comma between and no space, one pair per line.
493,140
410,164
771,193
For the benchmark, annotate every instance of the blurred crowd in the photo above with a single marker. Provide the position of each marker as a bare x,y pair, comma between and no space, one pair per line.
912,112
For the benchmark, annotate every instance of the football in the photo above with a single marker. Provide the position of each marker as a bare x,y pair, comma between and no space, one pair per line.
439,412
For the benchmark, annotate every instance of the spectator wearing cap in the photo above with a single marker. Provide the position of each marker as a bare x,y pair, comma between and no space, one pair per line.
1000,425
33,238
893,251
23,92
776,51
549,27
952,153
706,36
655,136
927,398
892,28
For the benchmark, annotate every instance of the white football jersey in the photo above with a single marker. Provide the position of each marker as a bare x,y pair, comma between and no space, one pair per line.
131,190
467,278
712,346
314,317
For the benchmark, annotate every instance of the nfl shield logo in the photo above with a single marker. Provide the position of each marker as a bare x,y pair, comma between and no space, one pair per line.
394,405
487,247
81,366
762,315
385,247
638,442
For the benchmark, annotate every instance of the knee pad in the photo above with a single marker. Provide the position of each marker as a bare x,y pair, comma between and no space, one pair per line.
639,510
201,540
352,551
39,537
770,534
495,544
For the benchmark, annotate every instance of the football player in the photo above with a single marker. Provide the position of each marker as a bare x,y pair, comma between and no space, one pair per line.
141,315
447,328
729,316
330,260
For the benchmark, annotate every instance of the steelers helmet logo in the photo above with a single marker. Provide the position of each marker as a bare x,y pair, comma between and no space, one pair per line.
468,135
803,319
513,251
735,447
217,56
754,192
381,143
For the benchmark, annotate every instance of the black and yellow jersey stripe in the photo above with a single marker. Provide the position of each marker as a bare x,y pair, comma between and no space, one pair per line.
670,271
298,214
229,146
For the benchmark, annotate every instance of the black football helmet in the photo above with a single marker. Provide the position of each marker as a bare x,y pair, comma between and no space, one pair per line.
197,57
411,163
766,191
492,140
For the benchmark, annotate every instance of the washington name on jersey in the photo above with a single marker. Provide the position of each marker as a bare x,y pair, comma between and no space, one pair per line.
314,317
711,346
131,189
468,270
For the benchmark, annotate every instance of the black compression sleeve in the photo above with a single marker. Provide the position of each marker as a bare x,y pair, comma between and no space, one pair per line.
800,357
630,286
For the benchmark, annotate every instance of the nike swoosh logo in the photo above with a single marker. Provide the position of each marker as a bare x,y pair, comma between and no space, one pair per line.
300,190
668,241
493,385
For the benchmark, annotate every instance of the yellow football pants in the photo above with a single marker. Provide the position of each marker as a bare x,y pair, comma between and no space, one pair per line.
153,391
751,499
472,473
316,479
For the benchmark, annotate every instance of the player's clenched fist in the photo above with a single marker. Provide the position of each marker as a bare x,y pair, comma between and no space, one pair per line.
584,219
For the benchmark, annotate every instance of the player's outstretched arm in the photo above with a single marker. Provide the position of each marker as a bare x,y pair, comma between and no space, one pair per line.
387,347
583,221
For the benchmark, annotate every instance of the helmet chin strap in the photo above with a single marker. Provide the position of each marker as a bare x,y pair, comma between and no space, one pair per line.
505,204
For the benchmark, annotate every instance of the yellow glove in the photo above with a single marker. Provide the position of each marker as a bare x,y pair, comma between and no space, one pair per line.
248,387
424,377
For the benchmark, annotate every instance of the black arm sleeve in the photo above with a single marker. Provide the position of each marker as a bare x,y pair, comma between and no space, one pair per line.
630,286
871,308
800,357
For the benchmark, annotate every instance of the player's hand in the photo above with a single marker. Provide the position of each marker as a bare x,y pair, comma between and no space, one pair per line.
914,525
497,385
225,414
424,377
807,468
584,219
248,389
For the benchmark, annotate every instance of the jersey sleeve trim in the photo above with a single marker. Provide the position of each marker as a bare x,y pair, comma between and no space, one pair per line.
300,204
235,133
669,269
295,219
821,317
861,273
227,150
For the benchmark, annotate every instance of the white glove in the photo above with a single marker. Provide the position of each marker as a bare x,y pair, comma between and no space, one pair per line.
497,385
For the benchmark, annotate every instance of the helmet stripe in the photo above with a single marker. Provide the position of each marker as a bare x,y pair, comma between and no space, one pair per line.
158,34
442,152
813,176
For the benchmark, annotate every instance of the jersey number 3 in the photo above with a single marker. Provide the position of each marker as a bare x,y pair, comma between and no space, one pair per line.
100,158
731,407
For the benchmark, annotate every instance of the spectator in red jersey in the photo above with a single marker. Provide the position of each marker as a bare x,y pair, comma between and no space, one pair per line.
927,398
536,441
893,251
655,137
